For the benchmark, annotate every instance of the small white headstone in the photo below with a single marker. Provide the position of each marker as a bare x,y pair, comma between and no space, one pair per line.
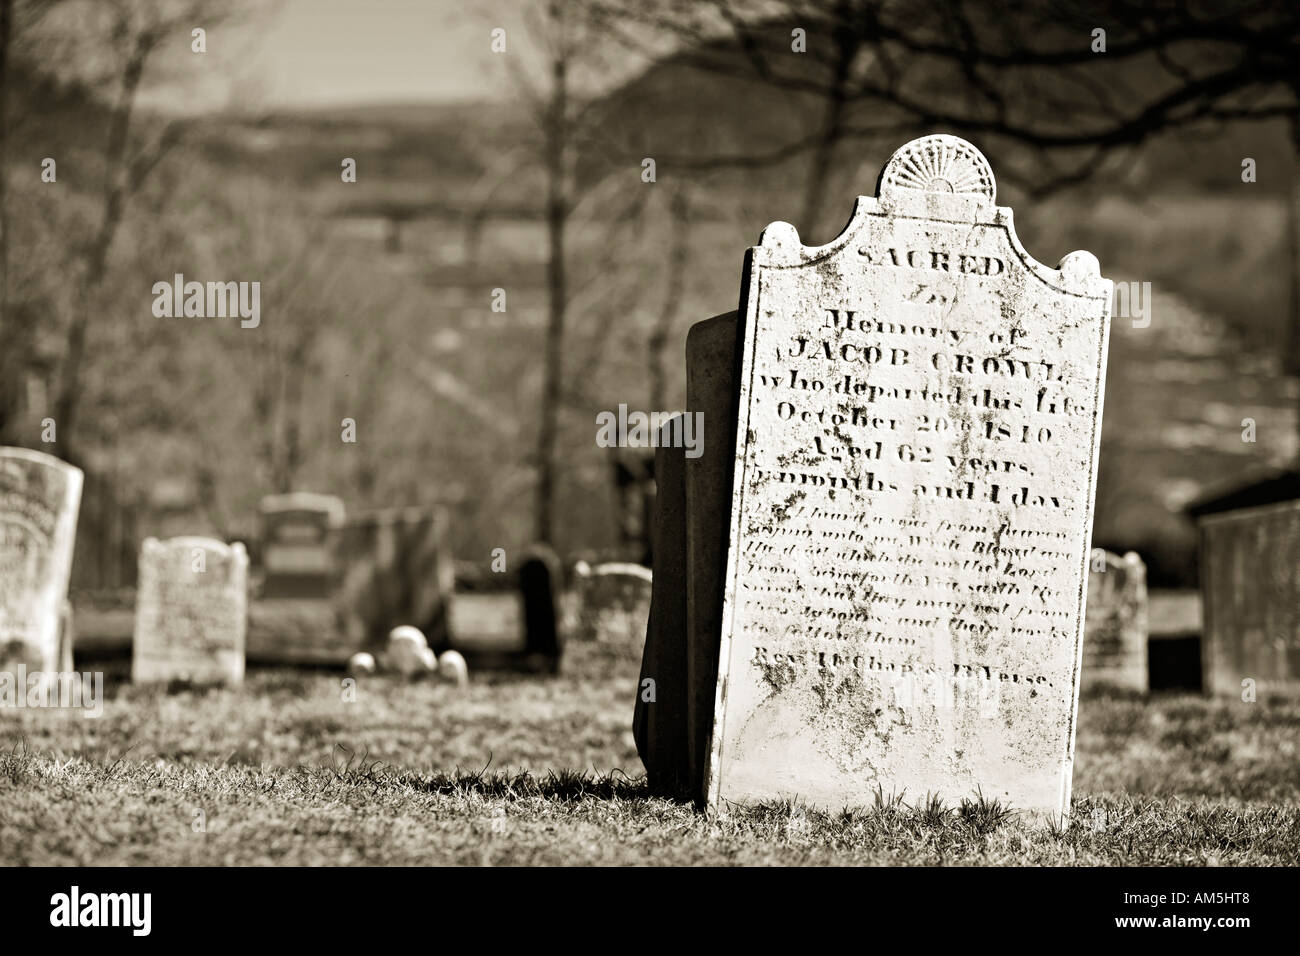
191,615
408,652
452,668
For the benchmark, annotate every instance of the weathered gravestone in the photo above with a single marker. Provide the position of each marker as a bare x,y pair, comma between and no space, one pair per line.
300,532
918,409
191,612
39,498
614,603
1115,624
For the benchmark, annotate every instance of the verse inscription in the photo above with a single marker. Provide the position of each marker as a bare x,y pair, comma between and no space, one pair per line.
919,417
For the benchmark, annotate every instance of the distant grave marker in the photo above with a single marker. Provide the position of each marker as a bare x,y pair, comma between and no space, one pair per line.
539,582
191,612
919,411
614,603
1250,583
299,539
39,499
1115,625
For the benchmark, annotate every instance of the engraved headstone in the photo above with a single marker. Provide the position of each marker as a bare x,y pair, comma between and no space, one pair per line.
191,614
39,499
919,414
1115,623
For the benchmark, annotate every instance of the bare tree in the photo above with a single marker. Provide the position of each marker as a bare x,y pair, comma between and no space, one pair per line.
133,31
570,37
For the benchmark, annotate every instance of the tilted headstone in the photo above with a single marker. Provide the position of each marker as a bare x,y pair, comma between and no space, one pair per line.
614,603
39,499
1250,584
300,533
919,415
710,392
660,716
191,613
1115,623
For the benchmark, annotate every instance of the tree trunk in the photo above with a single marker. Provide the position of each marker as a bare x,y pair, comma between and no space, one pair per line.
12,360
846,51
661,334
557,212
1293,254
115,185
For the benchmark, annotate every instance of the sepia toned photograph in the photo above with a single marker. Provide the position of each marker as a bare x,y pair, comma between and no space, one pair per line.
656,434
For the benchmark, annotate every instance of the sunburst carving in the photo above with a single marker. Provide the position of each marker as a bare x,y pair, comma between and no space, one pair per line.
942,164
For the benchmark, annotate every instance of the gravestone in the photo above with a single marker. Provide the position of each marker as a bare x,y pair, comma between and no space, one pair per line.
487,621
711,392
614,603
919,410
539,583
191,612
398,570
300,533
660,725
1115,624
39,499
1250,583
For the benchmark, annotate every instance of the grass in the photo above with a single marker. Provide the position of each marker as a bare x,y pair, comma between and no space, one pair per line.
520,770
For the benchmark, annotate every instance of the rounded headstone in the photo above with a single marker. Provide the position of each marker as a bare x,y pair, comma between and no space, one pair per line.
452,668
361,663
408,651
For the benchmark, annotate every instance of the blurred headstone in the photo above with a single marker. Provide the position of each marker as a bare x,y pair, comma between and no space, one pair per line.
539,582
299,540
398,570
1115,625
191,612
39,499
408,652
487,621
614,603
1250,585
919,408
634,482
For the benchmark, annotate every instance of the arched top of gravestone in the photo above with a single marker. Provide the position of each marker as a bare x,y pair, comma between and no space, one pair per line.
186,543
939,165
13,458
622,569
940,178
298,501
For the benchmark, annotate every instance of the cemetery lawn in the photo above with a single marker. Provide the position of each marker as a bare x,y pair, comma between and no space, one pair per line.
525,770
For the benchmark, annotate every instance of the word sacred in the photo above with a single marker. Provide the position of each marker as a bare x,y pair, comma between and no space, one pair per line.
936,259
